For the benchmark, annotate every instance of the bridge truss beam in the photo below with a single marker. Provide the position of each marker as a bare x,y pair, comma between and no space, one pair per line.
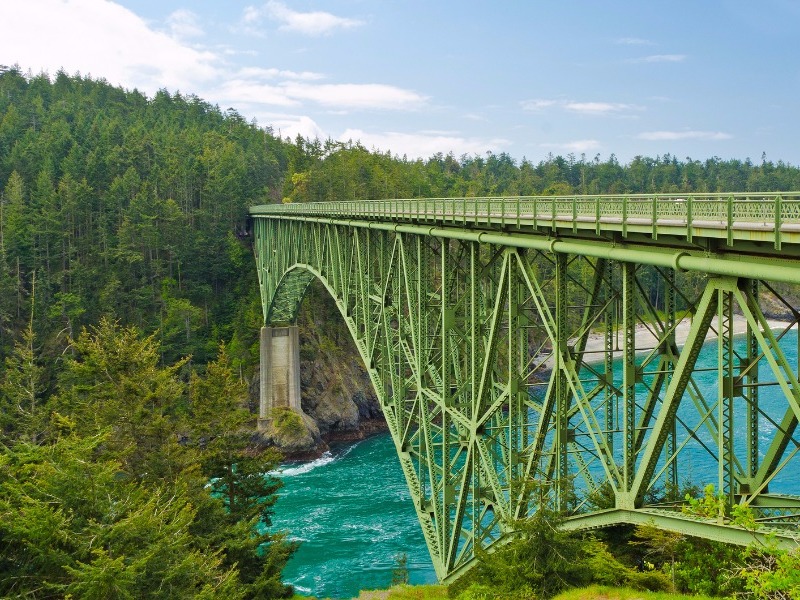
478,346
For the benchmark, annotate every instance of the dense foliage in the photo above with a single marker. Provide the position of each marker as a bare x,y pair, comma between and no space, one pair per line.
117,205
104,488
544,560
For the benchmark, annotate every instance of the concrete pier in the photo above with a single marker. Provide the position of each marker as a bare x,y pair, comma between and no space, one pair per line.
280,370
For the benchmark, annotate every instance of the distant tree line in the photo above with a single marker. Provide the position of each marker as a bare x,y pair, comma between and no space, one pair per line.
348,171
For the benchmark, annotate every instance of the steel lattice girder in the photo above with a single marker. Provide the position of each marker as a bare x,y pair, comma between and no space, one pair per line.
475,343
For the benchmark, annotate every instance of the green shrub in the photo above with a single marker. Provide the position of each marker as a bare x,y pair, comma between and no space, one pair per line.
287,422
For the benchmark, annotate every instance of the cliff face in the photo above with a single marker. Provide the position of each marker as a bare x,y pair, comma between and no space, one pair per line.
336,391
335,387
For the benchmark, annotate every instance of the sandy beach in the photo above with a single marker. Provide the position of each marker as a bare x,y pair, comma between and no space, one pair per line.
646,340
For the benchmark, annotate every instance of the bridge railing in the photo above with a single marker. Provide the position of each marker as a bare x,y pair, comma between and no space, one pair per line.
773,213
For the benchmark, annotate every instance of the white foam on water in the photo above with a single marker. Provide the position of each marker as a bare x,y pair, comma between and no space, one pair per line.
323,460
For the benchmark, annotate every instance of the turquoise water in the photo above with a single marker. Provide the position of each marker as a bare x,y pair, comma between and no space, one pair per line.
697,465
352,511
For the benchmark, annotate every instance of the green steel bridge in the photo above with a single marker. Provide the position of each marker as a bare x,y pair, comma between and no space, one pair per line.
500,335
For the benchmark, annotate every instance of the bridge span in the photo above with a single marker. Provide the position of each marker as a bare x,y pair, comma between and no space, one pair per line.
473,318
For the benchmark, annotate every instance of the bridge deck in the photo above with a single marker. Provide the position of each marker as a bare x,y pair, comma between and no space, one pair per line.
769,218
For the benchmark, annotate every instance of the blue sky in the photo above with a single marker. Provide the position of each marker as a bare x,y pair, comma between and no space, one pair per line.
690,78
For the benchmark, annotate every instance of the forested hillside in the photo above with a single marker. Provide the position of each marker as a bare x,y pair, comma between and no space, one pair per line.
126,459
134,208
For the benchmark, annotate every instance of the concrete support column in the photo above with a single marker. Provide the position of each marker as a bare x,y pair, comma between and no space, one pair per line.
279,370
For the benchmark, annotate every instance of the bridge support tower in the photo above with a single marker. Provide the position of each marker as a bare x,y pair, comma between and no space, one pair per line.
279,371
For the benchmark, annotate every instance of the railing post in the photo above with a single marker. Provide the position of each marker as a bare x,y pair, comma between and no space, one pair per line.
574,214
730,220
597,215
654,221
778,208
624,216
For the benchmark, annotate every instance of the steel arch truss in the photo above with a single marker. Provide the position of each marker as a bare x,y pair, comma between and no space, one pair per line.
495,369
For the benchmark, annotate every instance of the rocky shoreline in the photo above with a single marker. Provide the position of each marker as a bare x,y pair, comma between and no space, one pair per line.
365,430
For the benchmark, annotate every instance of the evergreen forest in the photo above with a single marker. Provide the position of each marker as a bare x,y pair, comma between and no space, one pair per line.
129,317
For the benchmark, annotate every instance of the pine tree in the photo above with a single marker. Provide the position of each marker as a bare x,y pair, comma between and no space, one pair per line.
20,392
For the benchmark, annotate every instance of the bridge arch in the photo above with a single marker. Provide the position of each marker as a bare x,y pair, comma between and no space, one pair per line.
474,321
289,294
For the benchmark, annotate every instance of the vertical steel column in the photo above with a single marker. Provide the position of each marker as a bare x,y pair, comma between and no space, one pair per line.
671,443
476,337
751,384
448,275
629,373
562,389
725,398
514,370
611,396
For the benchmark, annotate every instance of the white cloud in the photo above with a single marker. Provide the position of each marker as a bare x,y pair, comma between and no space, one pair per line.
184,24
104,39
475,117
352,95
684,135
538,104
659,58
313,23
586,108
633,41
272,73
251,15
599,108
292,92
424,144
241,90
292,125
578,146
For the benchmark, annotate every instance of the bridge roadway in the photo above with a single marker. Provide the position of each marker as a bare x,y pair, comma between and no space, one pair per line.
472,317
